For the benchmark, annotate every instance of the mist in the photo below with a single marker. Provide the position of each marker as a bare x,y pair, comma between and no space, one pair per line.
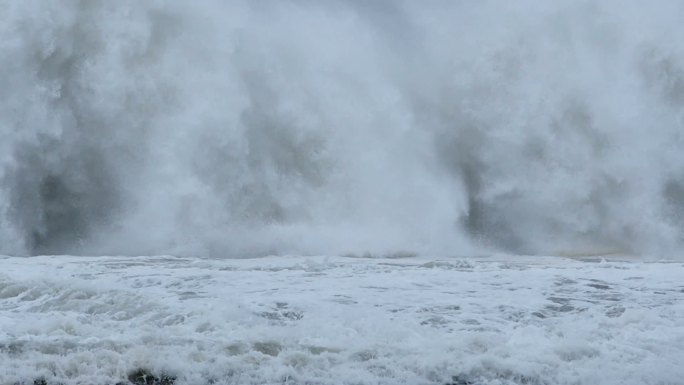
239,128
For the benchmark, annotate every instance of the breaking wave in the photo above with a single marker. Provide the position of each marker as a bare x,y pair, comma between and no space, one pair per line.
299,127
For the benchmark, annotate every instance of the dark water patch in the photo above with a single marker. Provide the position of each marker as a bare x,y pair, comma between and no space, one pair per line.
145,377
615,311
495,377
563,281
435,321
559,300
539,314
268,348
452,265
281,312
138,376
282,316
37,381
364,355
598,286
559,305
459,380
560,309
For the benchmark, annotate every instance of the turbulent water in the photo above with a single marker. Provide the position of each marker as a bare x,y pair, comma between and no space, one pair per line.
341,321
238,128
316,134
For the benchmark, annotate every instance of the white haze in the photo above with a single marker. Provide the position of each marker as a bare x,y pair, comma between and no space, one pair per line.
238,128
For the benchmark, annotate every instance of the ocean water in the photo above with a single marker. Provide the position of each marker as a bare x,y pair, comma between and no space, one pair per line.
342,192
342,320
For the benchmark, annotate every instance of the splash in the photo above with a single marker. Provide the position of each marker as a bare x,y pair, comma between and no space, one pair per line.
232,129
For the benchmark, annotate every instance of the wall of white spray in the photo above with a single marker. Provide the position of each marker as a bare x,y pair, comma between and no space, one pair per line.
239,128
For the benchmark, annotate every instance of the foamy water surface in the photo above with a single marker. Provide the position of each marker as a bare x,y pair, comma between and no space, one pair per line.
342,320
